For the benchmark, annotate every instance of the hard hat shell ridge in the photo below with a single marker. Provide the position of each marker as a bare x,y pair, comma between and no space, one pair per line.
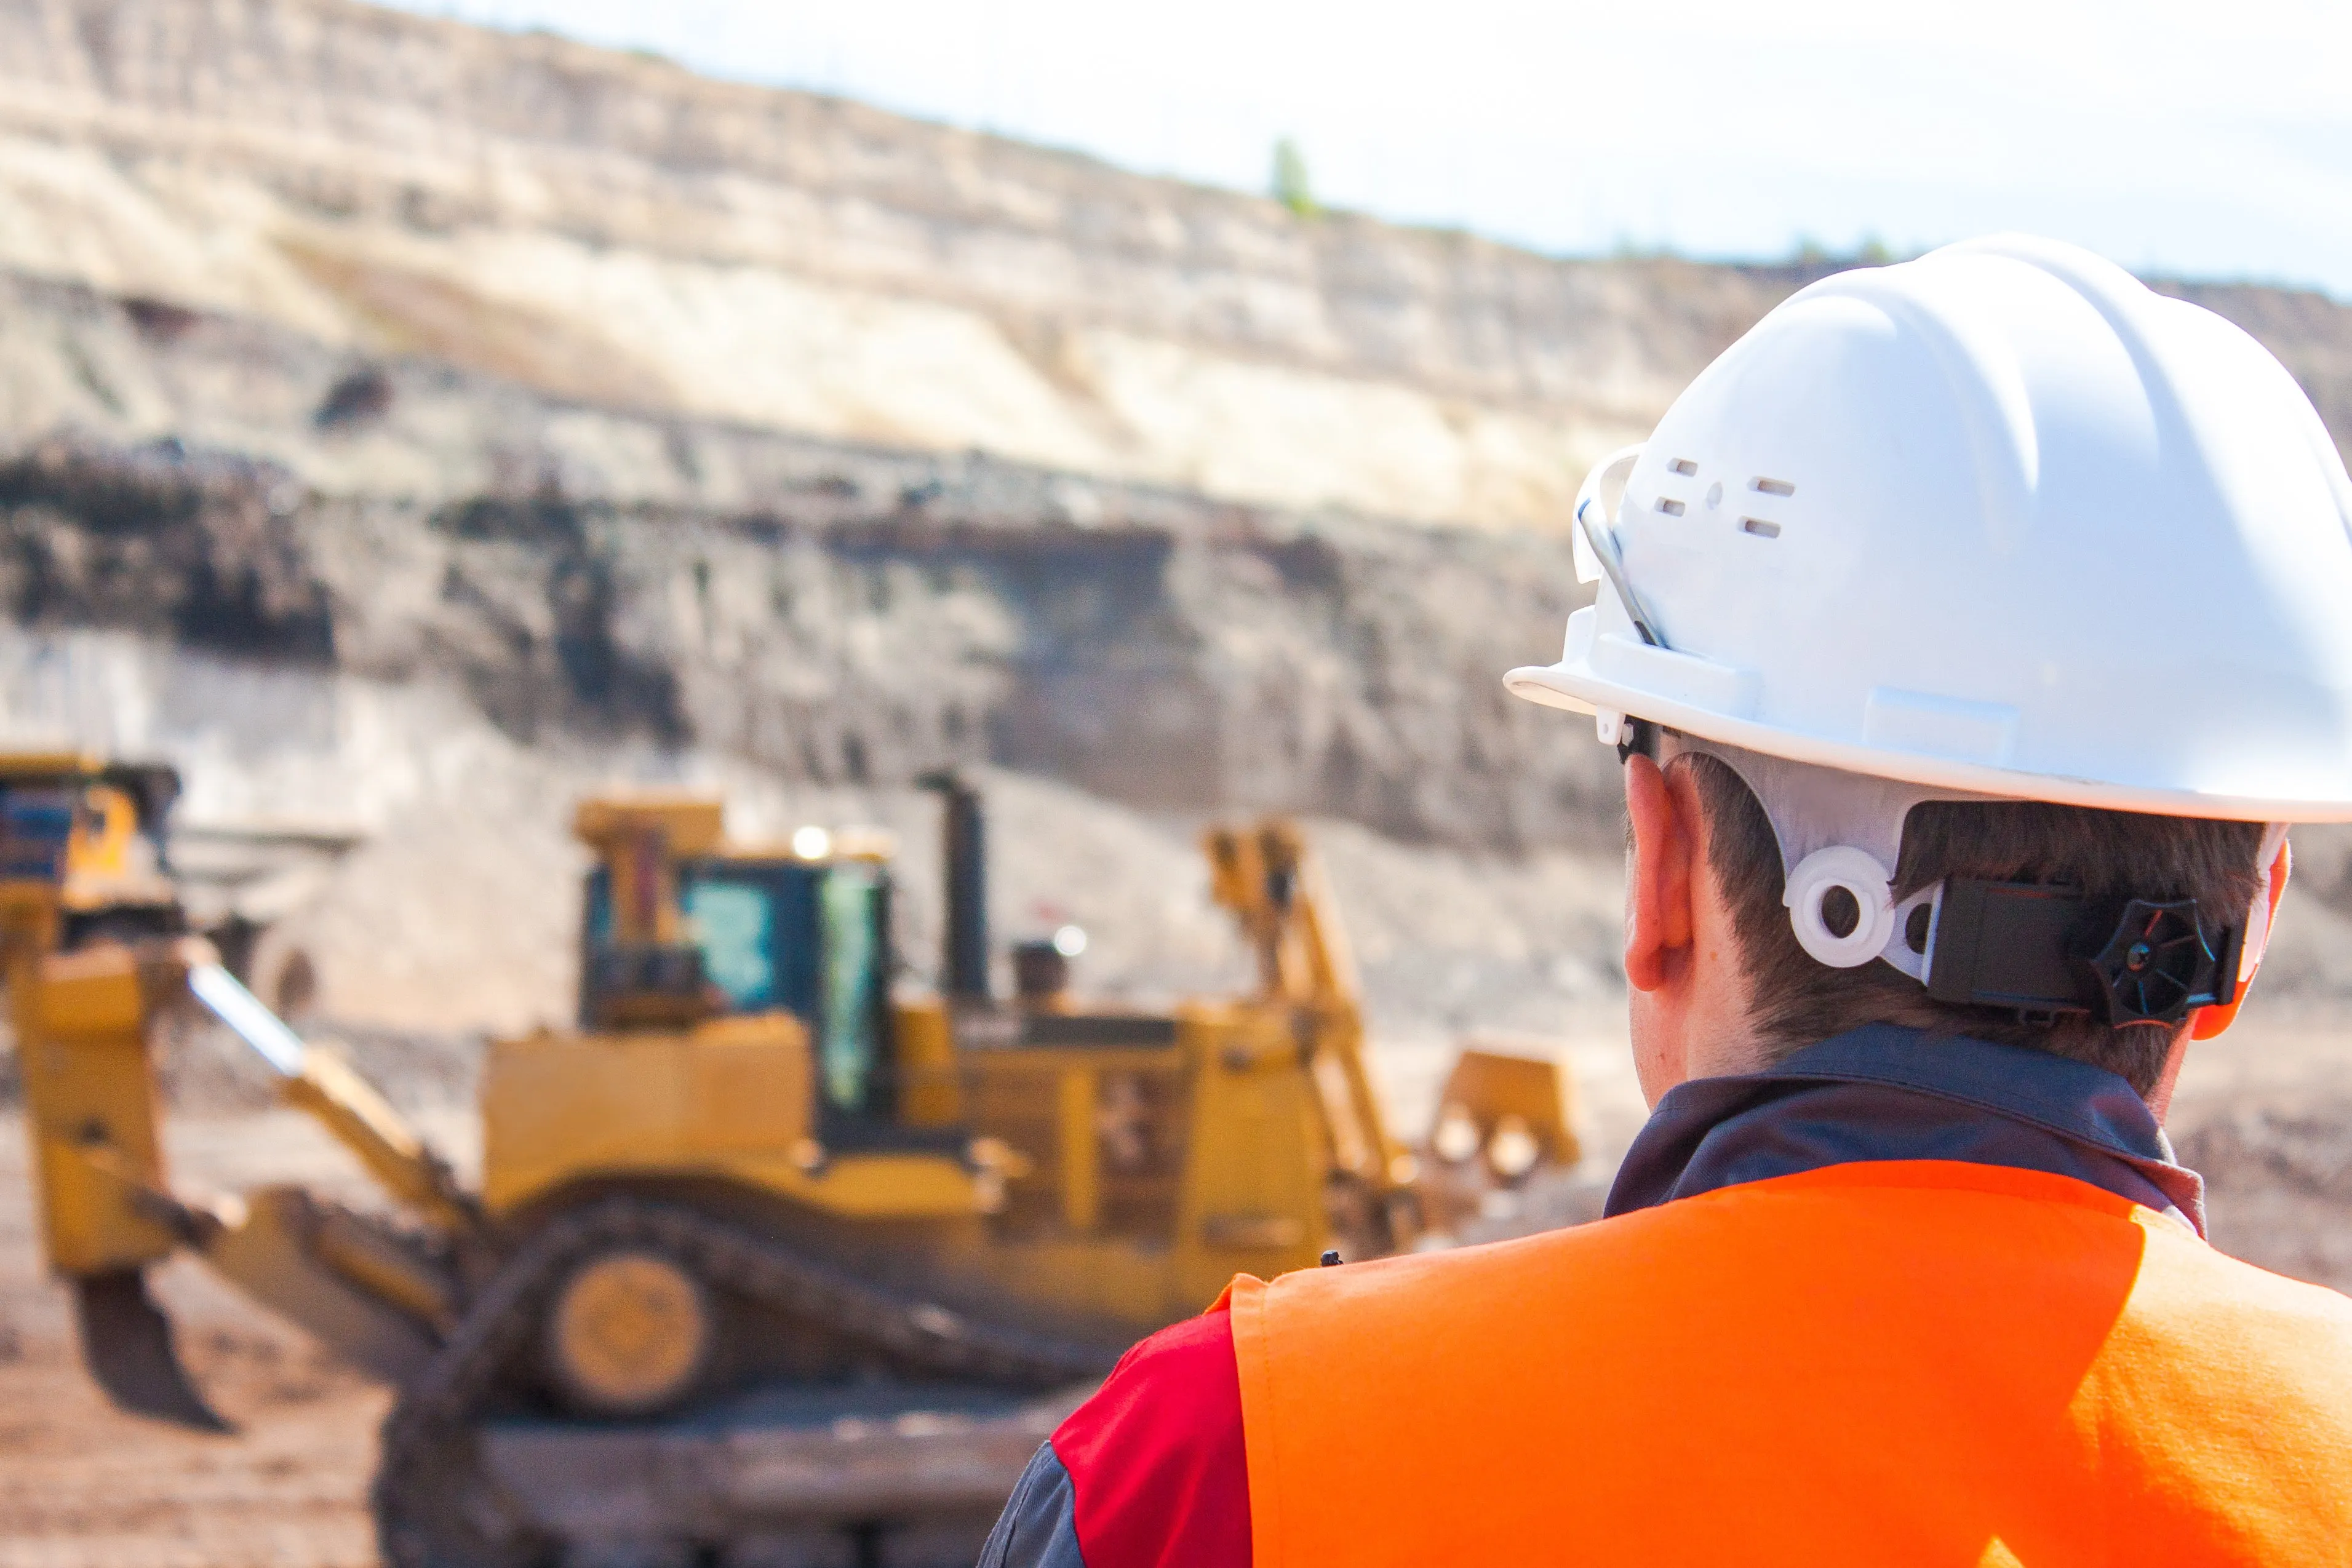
2001,520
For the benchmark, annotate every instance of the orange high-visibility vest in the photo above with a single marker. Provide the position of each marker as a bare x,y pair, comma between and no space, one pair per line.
1911,1362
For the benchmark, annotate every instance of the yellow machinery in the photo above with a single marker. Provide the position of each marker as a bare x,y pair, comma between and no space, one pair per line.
763,1254
93,944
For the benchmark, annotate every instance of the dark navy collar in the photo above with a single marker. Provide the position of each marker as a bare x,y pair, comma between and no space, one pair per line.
1885,1092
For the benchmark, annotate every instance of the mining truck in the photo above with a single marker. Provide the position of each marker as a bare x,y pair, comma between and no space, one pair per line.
767,1262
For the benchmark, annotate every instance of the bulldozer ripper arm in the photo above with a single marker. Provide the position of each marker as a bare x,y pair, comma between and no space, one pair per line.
105,1213
126,1343
91,1109
364,1122
363,1292
367,1294
342,1102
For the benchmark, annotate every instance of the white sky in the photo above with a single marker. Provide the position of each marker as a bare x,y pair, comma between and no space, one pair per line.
2211,139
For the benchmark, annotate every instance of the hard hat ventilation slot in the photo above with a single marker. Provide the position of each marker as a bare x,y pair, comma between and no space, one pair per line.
1671,509
1772,486
1759,527
1684,467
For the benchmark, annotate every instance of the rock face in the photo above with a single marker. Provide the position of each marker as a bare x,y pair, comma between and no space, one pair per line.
609,228
870,615
345,337
612,230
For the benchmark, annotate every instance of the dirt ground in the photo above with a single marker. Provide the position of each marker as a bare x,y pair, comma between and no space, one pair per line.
83,1485
2267,1115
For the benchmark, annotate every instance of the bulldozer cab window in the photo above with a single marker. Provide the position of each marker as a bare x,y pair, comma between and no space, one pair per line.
850,1054
755,923
810,939
735,923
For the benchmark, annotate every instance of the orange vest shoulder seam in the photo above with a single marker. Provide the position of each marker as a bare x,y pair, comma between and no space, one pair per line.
1946,1175
1245,1301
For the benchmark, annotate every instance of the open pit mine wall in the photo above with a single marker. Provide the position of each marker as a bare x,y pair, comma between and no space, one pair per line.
611,229
633,403
870,615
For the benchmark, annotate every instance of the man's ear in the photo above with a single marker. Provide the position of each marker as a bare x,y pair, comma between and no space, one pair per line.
2209,1022
1658,873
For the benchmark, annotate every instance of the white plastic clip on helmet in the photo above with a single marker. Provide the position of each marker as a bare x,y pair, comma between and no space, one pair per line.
1999,521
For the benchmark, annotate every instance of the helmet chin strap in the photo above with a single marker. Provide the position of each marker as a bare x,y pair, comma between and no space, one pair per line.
2039,951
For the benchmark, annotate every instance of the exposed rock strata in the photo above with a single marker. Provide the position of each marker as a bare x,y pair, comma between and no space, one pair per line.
832,613
611,230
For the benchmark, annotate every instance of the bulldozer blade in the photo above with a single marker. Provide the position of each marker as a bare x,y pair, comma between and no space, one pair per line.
126,1342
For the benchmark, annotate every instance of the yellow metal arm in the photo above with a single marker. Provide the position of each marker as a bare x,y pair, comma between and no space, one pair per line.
342,1102
364,1122
1275,889
90,1104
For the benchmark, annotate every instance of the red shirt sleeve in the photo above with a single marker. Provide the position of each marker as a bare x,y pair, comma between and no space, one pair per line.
1155,1459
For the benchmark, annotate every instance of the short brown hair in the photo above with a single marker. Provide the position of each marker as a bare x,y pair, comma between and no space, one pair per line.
1795,1001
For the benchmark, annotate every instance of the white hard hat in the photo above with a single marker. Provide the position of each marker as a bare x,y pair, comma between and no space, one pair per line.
1998,522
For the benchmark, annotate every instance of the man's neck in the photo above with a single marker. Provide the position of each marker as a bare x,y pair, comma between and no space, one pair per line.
1712,1037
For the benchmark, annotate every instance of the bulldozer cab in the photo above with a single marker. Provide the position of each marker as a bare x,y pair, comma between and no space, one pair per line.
805,931
81,843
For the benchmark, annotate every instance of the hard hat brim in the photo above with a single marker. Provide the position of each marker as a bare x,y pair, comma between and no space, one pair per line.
1575,686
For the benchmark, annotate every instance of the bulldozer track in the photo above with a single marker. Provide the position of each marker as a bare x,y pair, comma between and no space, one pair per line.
433,1508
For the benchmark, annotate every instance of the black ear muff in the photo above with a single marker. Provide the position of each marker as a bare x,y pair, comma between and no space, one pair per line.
2156,964
2042,951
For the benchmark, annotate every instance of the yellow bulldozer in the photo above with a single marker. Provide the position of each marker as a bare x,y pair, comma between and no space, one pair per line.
767,1262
